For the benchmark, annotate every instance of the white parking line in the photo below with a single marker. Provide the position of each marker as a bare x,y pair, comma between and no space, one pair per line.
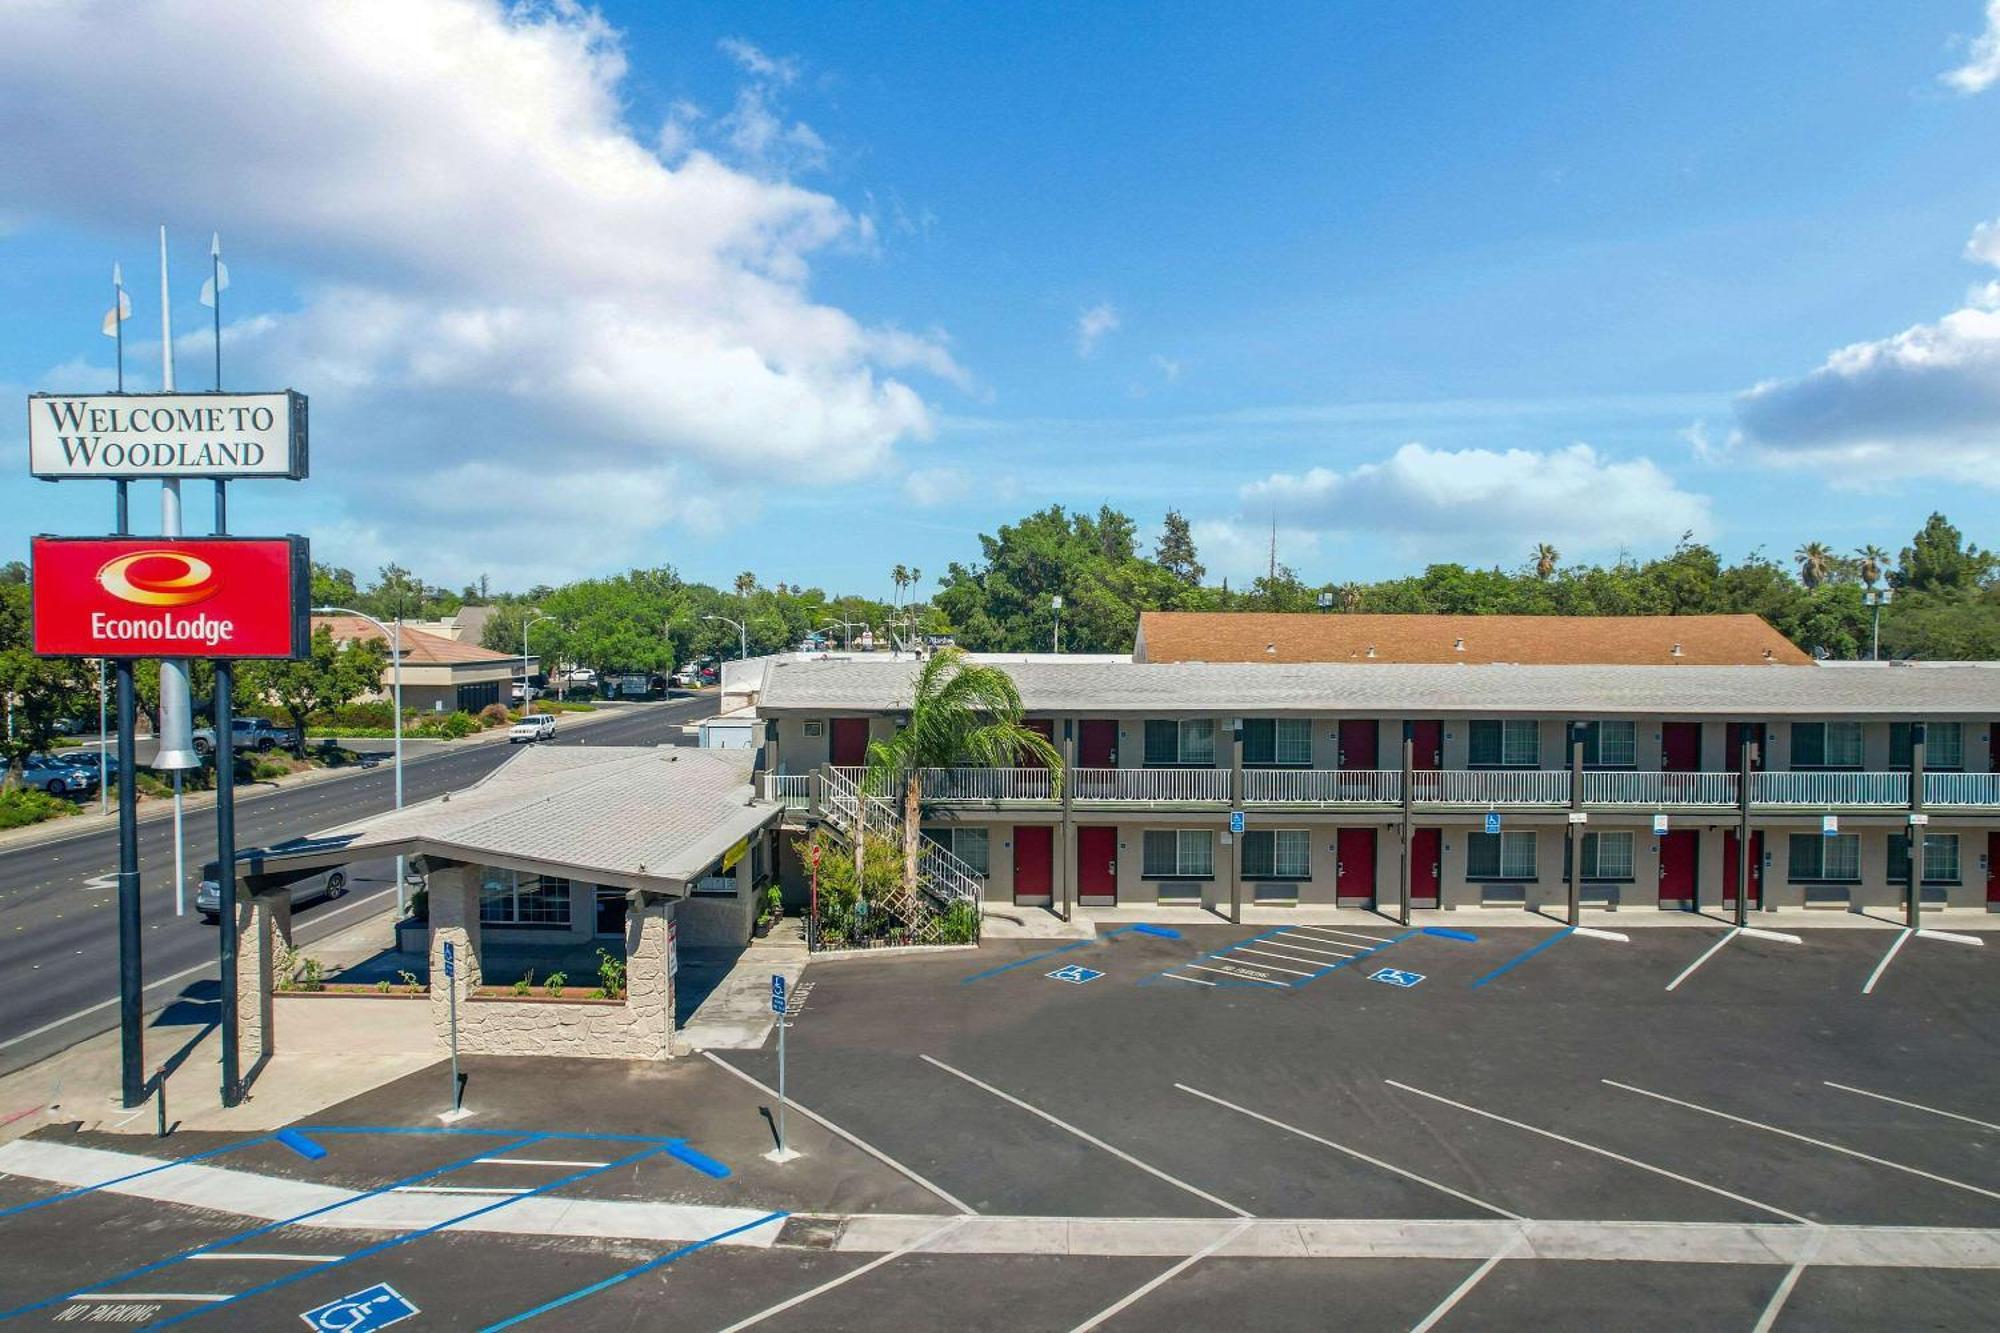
1313,932
1914,1106
1706,954
1351,1152
1289,943
848,1276
1147,1288
270,1255
457,1189
1225,972
1089,1138
834,1129
1459,1292
537,1161
1175,976
150,1297
1606,1152
1776,1304
1902,938
1803,1138
1266,967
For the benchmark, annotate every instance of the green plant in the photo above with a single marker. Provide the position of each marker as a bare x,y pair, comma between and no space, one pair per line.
552,986
610,976
493,715
382,986
410,979
960,924
312,975
29,805
284,963
525,982
774,903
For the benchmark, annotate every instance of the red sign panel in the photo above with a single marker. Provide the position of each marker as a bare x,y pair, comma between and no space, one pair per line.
224,597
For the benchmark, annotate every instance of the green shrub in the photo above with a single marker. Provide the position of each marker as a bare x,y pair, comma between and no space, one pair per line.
960,924
268,770
553,986
410,979
30,805
525,982
774,903
493,715
610,976
312,975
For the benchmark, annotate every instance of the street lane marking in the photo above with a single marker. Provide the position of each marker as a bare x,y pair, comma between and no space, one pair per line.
1088,1137
1769,1318
1902,938
1459,1292
848,1276
1351,1152
832,1128
1606,1152
1706,954
1914,1106
1804,1138
1162,1279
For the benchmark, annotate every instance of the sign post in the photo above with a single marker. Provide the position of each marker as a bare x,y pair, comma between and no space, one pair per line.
451,990
812,916
783,1152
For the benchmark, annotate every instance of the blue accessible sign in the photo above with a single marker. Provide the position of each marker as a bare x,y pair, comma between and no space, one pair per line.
1076,973
361,1312
1492,821
777,993
1390,976
450,960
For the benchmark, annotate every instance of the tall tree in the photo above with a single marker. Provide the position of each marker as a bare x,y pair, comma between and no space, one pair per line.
1175,552
1815,561
35,692
1870,561
1547,558
331,676
1938,559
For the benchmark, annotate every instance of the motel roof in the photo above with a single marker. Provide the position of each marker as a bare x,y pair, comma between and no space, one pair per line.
652,817
1392,689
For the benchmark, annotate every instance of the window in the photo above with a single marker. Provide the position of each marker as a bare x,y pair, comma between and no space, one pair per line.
1940,858
1504,743
1188,743
1816,856
1944,745
1500,855
1606,856
1278,741
510,898
1183,853
1612,744
1826,745
1284,853
967,844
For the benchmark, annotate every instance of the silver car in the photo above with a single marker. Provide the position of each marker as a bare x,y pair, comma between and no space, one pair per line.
319,888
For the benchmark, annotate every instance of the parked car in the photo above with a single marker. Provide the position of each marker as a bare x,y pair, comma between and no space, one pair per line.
540,727
58,777
711,674
331,884
251,733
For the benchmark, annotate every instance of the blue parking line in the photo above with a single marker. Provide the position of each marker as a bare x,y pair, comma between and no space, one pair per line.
1023,962
369,1251
1521,958
82,1190
630,1273
488,1132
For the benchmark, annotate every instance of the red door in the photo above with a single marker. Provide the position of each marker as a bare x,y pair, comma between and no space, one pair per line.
1096,866
1034,864
850,742
1680,744
1729,868
1736,732
1993,869
1680,849
1360,745
1354,870
1097,743
1427,745
1425,853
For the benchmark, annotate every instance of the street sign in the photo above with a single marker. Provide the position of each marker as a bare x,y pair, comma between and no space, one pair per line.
1235,821
777,993
1390,976
450,960
126,436
363,1311
817,852
1492,821
221,597
1075,973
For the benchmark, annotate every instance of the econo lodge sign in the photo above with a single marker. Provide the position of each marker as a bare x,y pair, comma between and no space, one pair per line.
224,597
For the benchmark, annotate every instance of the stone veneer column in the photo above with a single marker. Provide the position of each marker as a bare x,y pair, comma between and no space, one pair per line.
260,923
649,990
454,908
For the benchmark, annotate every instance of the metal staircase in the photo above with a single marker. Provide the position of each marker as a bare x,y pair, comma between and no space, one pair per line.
943,880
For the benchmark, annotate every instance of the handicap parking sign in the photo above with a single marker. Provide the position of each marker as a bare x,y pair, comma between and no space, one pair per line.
1076,973
361,1312
1390,976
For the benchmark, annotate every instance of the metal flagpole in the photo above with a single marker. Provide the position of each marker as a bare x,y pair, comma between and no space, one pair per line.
225,759
121,309
175,751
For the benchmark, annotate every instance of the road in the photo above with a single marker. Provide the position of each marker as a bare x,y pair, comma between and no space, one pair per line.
58,900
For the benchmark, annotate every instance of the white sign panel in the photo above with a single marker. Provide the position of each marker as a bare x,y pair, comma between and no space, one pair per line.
127,436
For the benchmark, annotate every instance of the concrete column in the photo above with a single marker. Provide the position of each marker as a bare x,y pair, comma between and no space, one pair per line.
649,988
261,922
455,920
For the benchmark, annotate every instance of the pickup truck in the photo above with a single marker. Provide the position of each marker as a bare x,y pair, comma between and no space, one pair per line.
540,727
251,733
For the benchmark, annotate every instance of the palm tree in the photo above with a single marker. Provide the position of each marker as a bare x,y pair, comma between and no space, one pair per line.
1873,560
1815,563
960,713
1351,595
1546,558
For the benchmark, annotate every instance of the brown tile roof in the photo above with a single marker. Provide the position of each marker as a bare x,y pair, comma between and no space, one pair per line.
1257,636
419,648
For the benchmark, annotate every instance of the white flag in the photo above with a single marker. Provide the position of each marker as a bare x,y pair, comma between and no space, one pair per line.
118,314
220,282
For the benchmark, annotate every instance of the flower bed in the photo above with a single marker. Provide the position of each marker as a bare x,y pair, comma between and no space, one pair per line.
541,995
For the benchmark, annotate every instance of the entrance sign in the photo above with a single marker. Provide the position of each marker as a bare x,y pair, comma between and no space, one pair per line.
128,436
361,1312
220,597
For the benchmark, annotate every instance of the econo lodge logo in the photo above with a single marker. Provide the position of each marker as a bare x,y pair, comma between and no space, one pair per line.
159,578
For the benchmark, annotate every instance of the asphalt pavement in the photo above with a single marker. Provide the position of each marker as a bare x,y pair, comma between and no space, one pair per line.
58,899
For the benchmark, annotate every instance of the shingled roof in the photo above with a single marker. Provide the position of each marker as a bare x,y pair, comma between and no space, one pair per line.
420,647
1260,636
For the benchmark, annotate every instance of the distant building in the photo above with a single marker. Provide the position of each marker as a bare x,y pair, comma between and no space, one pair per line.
1258,636
439,674
465,625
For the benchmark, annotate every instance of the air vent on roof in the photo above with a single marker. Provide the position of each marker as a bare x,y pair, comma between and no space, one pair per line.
1459,645
1767,655
1271,648
1677,650
1371,650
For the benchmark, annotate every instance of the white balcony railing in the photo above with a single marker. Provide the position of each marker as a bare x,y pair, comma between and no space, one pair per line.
1149,786
792,790
1512,786
988,784
1654,790
1962,789
1321,786
1818,790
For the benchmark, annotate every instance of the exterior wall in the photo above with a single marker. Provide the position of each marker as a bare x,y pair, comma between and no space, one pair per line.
712,921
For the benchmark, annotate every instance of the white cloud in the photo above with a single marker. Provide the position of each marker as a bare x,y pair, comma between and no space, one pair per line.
782,70
1092,325
1981,69
495,272
930,487
1483,505
1240,550
1170,369
1922,402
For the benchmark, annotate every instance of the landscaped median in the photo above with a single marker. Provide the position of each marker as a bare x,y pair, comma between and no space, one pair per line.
375,721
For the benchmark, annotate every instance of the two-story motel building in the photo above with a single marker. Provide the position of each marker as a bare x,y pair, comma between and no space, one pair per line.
1342,771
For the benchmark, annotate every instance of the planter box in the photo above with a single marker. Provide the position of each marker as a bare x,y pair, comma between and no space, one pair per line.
349,991
570,995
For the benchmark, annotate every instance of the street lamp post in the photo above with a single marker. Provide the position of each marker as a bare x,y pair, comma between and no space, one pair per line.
395,637
1875,599
1055,605
532,619
742,636
846,631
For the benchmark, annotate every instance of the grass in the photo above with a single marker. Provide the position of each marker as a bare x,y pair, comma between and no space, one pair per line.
31,806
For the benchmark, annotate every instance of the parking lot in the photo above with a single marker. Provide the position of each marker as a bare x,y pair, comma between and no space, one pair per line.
1290,1128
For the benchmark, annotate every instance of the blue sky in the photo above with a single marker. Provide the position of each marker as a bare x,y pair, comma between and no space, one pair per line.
817,289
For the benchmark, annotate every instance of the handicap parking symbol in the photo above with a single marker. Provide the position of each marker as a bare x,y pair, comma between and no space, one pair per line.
1390,976
1076,973
362,1311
